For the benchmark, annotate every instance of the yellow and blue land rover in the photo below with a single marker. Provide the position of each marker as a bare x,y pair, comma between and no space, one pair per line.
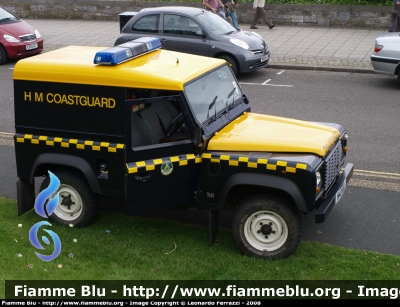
137,122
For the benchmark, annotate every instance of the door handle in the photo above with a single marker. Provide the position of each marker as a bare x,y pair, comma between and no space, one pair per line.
142,178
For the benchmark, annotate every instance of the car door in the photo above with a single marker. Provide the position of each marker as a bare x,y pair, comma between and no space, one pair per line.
183,34
158,175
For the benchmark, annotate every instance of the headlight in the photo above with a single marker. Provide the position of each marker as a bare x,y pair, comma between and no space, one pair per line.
10,38
37,34
239,43
318,182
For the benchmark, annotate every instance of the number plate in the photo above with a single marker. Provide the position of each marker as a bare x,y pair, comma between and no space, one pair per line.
340,193
30,47
264,58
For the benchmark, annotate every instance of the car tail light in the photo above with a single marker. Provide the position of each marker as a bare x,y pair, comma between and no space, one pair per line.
378,48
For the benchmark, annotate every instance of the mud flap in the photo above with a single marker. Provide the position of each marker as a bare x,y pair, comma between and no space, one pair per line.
25,196
213,225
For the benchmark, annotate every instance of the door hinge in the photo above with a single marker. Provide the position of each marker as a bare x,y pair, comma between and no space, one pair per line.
198,194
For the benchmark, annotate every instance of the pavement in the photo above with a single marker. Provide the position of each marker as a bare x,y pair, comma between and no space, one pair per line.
291,47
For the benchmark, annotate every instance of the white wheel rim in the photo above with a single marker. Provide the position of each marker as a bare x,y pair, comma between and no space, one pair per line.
70,204
266,230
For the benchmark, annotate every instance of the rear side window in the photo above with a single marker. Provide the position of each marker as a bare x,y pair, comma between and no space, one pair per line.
147,23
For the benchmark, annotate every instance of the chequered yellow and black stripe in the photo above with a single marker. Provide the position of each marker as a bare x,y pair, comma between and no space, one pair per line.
64,142
150,165
233,160
255,162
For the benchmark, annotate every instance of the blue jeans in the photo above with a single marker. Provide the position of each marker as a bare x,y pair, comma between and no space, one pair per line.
234,19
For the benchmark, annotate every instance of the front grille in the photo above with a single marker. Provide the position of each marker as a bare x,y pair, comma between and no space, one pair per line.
257,51
332,165
260,64
28,37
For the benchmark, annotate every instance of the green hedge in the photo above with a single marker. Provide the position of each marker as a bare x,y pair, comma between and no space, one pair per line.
333,2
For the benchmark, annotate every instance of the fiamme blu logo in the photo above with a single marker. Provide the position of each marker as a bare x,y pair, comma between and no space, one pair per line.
45,210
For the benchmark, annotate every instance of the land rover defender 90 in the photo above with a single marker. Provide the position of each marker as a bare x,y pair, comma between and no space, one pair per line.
138,123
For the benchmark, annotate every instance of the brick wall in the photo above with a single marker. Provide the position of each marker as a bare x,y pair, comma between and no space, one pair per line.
362,16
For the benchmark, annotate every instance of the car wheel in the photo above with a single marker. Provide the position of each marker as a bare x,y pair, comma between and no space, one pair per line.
266,226
231,62
78,205
3,55
398,78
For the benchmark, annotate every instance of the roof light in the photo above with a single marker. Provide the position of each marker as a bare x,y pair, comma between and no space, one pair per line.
129,50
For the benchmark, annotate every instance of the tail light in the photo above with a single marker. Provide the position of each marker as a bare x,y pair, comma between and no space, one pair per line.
378,48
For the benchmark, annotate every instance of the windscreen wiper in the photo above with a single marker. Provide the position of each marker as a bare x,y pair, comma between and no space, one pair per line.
229,95
211,106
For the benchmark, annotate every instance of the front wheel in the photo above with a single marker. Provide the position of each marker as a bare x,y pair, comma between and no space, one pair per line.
267,227
78,205
232,63
3,55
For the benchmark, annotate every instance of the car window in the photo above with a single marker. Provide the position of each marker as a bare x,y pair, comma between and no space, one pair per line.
180,25
6,16
215,24
147,23
212,93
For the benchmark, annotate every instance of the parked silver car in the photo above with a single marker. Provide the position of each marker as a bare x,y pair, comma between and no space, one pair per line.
386,56
197,31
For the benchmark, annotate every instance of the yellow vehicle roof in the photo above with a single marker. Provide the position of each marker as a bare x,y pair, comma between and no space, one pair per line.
160,69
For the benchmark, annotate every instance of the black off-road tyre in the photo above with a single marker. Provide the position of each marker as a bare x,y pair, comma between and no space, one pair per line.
267,226
75,192
3,55
232,63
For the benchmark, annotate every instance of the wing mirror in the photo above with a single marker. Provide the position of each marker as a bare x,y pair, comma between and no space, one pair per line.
200,33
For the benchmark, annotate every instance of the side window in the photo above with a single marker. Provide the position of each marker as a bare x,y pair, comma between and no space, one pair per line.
147,24
180,25
156,117
171,24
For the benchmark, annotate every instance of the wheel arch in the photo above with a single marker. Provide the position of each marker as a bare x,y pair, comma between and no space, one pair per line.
79,164
218,55
283,185
397,70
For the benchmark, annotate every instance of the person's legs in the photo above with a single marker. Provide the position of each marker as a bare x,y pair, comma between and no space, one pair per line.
255,19
221,12
263,14
234,19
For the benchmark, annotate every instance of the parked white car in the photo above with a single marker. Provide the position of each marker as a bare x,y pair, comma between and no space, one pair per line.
386,56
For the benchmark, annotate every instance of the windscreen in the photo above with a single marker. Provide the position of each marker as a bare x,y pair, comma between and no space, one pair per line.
6,16
215,24
212,93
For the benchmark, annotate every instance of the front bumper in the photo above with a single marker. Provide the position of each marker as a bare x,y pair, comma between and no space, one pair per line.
254,63
18,50
330,201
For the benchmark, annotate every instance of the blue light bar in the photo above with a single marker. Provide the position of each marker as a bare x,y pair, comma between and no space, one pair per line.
129,50
152,43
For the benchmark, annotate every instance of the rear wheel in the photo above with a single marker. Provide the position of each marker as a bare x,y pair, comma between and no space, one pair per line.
78,205
398,78
3,55
231,62
267,227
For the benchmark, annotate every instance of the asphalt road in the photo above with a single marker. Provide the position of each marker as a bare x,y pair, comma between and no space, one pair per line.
368,215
